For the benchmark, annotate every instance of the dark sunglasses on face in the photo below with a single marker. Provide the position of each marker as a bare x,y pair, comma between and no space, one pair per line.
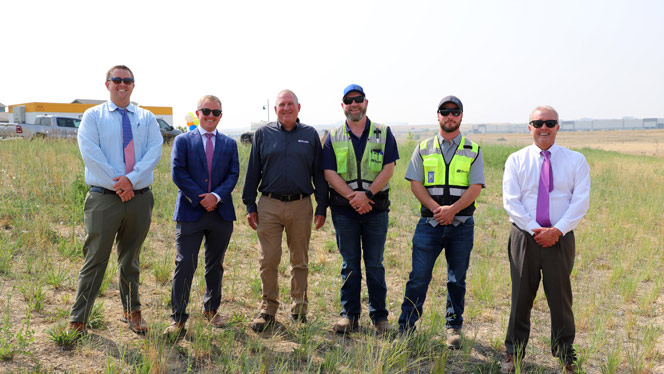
206,112
447,112
357,99
550,123
118,80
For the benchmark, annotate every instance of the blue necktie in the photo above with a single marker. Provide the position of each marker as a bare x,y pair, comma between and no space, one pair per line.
127,142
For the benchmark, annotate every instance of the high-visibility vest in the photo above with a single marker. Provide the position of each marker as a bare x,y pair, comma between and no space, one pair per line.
359,174
447,182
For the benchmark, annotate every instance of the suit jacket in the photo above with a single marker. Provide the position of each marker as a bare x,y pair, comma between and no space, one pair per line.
190,173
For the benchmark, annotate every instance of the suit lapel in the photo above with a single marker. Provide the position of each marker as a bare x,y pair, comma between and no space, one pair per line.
218,145
197,143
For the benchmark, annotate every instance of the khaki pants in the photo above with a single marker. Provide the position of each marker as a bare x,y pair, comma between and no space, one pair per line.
105,217
295,217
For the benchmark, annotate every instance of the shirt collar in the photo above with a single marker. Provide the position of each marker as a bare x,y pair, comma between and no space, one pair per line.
455,141
551,149
112,107
281,127
203,132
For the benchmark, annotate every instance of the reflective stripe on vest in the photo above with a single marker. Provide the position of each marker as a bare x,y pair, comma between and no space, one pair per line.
364,172
447,182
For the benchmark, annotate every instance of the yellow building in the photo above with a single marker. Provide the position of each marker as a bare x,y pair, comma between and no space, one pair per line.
26,113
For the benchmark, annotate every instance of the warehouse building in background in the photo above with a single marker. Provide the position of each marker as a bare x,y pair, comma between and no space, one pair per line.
584,124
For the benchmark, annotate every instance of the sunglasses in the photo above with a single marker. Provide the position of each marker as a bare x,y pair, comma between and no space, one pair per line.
357,99
550,123
215,112
447,112
118,80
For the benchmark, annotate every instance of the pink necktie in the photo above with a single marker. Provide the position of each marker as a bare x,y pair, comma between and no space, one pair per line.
127,142
209,152
545,187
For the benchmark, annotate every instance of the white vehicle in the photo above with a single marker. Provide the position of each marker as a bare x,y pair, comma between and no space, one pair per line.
44,127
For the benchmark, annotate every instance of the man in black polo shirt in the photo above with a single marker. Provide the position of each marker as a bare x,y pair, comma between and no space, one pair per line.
284,161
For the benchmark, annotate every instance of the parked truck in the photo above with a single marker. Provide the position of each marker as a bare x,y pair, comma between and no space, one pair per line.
168,132
44,127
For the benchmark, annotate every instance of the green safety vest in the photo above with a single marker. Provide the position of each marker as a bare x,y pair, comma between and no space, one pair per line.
447,182
359,174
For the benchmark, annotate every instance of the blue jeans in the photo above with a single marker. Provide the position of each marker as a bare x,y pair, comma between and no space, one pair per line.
359,238
428,242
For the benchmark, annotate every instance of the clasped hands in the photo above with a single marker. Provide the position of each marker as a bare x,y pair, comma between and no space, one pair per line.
123,188
209,201
444,214
359,201
547,236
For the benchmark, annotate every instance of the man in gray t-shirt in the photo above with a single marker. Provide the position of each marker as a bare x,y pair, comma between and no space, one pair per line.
446,173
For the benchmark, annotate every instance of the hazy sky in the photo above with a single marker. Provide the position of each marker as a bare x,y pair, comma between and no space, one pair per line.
595,58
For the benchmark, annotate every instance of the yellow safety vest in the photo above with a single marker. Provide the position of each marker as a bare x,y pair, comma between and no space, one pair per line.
359,174
447,182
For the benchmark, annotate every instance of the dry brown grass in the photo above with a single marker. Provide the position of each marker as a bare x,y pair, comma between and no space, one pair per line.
31,235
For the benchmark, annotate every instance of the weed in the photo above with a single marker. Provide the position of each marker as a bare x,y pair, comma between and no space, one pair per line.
256,285
55,275
109,275
33,293
162,269
613,360
96,319
62,337
201,341
12,343
6,254
70,248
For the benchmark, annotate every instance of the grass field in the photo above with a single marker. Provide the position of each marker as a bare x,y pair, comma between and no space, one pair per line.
617,283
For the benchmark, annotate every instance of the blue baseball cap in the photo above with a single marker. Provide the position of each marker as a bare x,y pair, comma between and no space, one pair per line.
450,99
353,87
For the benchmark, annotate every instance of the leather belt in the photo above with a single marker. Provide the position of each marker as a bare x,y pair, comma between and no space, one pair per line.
285,197
107,191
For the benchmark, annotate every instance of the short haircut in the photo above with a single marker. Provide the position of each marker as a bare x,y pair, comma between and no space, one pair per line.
121,67
206,98
290,92
543,107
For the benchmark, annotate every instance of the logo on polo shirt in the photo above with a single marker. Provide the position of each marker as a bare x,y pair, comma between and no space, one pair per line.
302,141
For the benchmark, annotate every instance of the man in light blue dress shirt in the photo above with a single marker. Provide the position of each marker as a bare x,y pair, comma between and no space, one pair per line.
118,206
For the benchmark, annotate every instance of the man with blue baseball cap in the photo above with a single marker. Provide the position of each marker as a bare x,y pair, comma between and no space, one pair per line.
358,161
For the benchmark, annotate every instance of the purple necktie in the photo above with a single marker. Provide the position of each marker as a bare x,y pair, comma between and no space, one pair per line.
209,152
127,142
545,186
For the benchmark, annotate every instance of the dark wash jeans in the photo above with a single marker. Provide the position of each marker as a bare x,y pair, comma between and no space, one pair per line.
428,242
357,239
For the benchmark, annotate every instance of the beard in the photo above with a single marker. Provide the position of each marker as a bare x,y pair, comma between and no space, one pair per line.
354,117
450,127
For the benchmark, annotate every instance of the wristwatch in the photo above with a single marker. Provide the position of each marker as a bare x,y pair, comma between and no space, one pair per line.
370,194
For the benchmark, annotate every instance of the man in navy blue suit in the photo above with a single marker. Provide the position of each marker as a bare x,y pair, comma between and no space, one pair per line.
204,166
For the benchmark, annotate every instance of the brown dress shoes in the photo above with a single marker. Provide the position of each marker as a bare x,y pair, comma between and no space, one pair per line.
136,323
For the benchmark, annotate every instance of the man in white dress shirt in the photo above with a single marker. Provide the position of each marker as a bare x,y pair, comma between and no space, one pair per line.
546,191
